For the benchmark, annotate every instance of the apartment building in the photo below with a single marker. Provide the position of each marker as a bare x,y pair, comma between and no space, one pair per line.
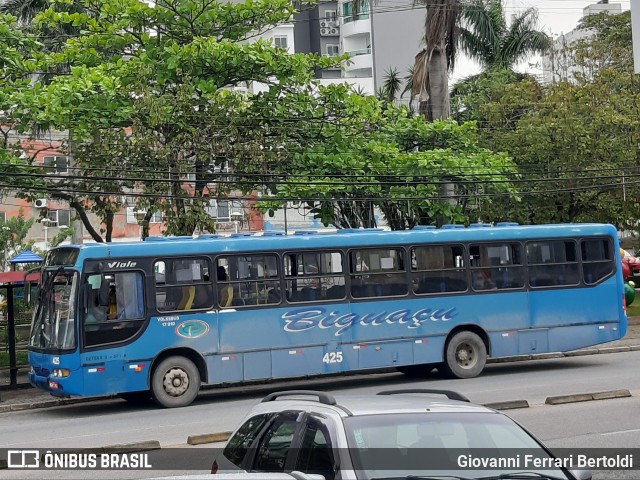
558,64
377,37
231,215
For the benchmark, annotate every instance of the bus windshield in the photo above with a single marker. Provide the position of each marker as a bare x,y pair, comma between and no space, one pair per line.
53,326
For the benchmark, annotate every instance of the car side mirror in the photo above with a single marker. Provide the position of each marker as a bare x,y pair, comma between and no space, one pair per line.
581,474
306,476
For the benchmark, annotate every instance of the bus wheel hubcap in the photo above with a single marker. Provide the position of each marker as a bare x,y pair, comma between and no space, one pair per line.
176,382
465,355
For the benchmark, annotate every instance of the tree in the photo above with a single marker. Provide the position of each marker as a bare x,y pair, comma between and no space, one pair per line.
496,100
575,141
152,116
430,80
412,171
485,36
391,87
13,233
23,10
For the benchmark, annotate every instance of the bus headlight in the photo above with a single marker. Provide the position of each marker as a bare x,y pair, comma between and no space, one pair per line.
60,372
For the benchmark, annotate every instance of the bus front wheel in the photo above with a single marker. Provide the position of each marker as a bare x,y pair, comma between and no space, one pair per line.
175,383
465,355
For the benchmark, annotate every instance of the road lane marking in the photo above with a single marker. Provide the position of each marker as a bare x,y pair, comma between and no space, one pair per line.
621,432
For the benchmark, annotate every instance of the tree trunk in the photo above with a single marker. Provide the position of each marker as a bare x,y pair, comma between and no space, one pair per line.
434,102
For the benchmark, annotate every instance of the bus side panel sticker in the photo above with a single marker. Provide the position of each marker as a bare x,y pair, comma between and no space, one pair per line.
192,329
307,318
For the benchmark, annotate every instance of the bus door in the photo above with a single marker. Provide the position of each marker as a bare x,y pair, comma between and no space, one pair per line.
112,314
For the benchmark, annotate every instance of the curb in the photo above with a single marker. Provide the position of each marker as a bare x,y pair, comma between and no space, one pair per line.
509,405
208,438
585,397
573,353
58,402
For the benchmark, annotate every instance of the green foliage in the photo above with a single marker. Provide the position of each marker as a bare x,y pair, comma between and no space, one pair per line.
403,167
146,94
21,357
574,142
13,234
486,36
149,113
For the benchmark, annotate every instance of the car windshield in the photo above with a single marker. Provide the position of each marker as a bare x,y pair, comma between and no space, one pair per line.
53,326
428,444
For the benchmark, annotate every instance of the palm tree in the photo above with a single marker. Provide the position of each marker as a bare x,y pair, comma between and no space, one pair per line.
391,86
485,36
430,75
24,10
430,81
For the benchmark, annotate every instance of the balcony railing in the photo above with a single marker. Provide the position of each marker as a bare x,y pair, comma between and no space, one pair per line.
362,51
353,18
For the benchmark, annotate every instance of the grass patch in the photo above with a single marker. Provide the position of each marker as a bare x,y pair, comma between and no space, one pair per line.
633,310
21,359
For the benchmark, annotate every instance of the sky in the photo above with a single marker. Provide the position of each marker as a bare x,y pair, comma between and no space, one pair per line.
555,18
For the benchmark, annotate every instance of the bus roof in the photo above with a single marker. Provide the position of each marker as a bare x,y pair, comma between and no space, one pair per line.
344,238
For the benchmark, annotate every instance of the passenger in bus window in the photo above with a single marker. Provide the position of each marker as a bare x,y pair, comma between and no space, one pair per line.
96,314
482,280
225,291
114,311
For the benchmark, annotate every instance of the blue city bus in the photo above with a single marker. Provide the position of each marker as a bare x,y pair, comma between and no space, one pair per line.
158,318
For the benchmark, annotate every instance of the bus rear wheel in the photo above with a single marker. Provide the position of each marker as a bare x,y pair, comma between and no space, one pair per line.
465,355
175,382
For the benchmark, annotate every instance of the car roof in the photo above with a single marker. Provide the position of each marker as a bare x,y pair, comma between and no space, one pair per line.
401,401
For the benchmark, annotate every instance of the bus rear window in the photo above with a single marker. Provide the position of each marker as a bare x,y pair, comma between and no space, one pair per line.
597,260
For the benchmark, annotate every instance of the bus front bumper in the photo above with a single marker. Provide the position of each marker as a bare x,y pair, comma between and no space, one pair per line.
50,385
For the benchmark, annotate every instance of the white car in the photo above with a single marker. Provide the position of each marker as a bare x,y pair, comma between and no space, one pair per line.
393,435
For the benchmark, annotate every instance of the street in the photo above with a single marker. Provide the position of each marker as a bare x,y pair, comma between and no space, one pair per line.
605,423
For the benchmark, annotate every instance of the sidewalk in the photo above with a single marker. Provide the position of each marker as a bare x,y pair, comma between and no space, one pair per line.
26,397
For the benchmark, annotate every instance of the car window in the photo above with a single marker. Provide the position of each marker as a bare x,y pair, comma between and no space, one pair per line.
393,445
239,444
275,444
315,454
